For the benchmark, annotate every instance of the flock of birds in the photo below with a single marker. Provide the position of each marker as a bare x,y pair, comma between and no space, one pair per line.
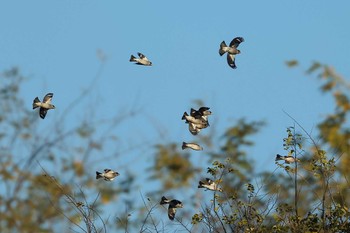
231,51
197,120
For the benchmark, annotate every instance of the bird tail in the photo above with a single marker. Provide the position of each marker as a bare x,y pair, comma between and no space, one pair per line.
279,157
184,145
98,175
222,46
200,184
35,101
164,200
184,116
132,58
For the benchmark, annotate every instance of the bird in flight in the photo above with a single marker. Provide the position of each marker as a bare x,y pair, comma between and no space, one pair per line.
287,159
142,60
202,112
45,105
173,205
192,119
231,50
209,185
193,146
107,175
197,120
194,125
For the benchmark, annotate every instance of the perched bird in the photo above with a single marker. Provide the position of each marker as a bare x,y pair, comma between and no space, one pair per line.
209,185
142,60
192,146
45,105
173,205
231,50
287,159
108,174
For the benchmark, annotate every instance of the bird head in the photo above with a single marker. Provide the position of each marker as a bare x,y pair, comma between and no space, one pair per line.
238,51
53,106
179,204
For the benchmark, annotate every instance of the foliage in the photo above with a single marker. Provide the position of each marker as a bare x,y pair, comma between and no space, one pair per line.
35,199
172,167
310,194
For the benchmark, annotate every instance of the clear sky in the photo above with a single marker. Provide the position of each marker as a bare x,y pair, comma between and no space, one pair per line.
55,42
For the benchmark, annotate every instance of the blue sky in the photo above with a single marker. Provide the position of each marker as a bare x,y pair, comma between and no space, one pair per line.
55,42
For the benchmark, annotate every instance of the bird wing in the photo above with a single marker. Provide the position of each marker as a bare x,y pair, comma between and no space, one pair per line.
164,200
193,112
48,98
231,61
236,41
209,181
42,112
203,109
107,170
142,56
171,212
196,114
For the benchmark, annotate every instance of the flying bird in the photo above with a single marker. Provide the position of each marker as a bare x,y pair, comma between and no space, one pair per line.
142,60
107,175
173,205
192,146
45,105
194,125
231,50
202,112
209,185
287,159
196,121
194,130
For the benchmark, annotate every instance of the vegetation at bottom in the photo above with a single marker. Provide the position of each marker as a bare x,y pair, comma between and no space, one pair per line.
309,194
